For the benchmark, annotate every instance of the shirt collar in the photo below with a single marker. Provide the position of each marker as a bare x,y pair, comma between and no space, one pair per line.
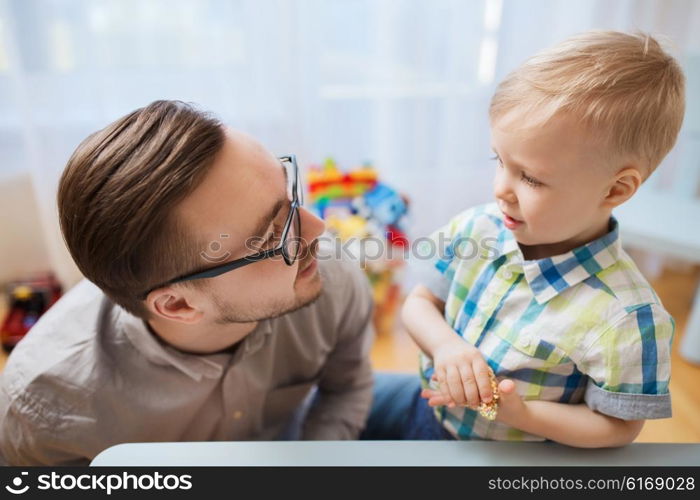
196,366
550,276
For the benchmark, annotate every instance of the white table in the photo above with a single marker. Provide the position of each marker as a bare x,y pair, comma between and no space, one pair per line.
387,453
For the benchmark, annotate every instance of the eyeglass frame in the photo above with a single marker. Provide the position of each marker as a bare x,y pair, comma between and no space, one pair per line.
296,202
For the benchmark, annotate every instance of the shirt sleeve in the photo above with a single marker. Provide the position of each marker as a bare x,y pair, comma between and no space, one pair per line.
29,437
341,404
436,254
629,366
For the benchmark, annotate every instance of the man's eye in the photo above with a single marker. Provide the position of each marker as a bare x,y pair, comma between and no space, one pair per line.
274,236
269,240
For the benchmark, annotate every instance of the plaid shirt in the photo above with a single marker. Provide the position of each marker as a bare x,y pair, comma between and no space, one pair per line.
584,326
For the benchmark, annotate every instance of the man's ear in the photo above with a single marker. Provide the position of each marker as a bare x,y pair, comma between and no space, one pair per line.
172,304
623,186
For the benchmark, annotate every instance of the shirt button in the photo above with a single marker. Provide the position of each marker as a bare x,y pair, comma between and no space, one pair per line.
507,274
525,337
237,414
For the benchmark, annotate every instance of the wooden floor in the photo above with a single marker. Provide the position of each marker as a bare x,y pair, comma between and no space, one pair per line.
396,352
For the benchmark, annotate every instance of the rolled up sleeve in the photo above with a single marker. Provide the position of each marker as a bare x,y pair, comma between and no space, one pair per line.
629,366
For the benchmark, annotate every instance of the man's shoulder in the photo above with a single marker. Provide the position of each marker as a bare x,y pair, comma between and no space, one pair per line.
79,306
341,274
345,296
55,356
345,284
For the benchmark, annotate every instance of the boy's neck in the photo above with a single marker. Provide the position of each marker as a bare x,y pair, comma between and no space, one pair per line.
536,252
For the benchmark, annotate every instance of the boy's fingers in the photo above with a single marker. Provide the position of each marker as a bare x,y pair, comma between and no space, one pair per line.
454,385
429,393
438,401
435,398
439,374
506,387
483,380
469,384
442,381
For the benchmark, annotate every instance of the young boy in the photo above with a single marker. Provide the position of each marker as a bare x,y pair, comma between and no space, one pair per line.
552,304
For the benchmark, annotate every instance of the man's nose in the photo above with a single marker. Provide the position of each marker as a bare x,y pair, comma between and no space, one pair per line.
311,226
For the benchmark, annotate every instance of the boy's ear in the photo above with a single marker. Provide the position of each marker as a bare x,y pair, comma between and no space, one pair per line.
624,184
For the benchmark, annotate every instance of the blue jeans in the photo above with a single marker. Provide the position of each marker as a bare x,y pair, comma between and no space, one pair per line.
398,411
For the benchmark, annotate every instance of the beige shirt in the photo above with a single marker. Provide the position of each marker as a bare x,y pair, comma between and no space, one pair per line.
89,375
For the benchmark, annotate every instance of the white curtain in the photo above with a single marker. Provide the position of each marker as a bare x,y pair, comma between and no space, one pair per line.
403,84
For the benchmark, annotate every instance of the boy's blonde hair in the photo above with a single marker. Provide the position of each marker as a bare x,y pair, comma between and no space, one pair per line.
625,89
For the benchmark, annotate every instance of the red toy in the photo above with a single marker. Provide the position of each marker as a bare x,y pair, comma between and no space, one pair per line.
29,299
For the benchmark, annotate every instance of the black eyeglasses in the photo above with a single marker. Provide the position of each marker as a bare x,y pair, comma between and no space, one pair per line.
289,241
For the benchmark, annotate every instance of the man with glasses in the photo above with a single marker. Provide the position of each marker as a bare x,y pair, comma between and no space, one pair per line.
208,312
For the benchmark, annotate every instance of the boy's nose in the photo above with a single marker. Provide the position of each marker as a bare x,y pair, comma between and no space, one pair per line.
502,189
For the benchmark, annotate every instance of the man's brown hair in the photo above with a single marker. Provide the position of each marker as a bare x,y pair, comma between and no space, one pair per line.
117,195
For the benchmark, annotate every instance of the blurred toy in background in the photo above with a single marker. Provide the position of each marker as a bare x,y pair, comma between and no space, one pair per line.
331,190
28,300
384,206
360,210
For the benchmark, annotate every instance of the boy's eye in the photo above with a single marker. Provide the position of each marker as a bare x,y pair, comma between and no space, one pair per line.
530,181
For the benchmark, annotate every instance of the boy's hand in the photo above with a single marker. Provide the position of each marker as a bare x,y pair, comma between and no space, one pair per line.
511,407
462,373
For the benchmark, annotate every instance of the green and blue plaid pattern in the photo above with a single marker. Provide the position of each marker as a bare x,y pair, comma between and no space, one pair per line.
581,327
